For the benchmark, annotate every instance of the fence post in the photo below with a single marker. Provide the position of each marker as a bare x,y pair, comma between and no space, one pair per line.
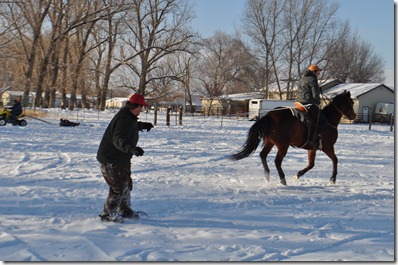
180,116
168,116
370,120
391,121
155,122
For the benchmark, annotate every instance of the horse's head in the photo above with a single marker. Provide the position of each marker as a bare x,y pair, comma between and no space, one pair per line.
345,105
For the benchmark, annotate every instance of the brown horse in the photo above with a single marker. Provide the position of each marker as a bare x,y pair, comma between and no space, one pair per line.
281,128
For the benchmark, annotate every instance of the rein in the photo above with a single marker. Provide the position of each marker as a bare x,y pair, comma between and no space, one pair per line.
334,105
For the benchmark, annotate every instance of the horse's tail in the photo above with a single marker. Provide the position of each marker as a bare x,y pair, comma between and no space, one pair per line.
259,129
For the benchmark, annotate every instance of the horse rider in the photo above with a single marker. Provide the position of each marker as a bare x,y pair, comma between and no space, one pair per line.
309,94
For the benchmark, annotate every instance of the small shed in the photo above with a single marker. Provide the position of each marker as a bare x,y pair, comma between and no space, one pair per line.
229,104
365,95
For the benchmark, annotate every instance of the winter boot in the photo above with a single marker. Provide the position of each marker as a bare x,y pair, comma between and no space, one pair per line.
111,217
130,214
316,144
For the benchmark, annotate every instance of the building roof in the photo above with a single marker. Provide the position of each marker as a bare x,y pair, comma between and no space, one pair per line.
356,89
244,96
273,87
118,99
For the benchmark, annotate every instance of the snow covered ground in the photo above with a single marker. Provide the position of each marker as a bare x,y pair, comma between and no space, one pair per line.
201,206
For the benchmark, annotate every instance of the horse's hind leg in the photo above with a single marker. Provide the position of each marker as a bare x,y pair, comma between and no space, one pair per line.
282,150
263,155
311,164
331,154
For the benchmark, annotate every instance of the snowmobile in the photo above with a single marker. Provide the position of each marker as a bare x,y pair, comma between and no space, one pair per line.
5,117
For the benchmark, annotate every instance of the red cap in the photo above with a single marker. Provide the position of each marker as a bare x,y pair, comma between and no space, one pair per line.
138,99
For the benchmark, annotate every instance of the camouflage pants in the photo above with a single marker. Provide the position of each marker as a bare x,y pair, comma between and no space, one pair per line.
118,178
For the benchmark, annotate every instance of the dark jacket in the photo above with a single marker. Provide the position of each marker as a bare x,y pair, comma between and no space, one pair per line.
308,89
16,109
120,138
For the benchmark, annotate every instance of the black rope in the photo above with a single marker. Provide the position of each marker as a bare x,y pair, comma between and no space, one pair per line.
40,120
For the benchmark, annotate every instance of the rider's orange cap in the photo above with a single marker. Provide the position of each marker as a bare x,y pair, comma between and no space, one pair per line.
314,67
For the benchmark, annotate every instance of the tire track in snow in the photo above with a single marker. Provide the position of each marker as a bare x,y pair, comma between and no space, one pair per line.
34,163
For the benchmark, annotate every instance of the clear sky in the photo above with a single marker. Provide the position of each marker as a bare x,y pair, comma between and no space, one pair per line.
373,20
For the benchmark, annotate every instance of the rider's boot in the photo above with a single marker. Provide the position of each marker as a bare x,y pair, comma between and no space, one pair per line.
316,143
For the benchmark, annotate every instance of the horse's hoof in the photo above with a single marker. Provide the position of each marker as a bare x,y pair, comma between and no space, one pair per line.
266,177
332,181
295,177
283,182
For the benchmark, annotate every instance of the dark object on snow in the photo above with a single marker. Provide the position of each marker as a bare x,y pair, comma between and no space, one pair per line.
68,123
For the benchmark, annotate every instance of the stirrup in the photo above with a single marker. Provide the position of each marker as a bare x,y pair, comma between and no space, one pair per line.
316,145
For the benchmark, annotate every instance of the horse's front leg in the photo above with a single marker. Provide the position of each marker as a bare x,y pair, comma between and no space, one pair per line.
331,154
311,164
282,150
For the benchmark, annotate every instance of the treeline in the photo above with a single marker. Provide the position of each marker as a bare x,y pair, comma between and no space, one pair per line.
96,48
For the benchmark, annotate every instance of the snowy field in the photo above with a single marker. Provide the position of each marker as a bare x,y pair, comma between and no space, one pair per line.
201,206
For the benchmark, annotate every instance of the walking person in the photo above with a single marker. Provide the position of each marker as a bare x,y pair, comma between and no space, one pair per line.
117,147
309,94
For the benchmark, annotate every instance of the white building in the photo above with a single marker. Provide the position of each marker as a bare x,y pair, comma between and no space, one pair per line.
117,102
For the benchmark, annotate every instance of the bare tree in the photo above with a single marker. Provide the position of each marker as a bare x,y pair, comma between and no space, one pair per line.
223,60
290,35
27,18
355,61
184,66
107,60
7,40
64,64
87,15
158,29
97,68
50,54
262,24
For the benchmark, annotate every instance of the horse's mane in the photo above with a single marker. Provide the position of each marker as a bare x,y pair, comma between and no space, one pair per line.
338,97
336,100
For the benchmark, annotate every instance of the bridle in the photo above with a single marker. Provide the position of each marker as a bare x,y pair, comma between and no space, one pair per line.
334,105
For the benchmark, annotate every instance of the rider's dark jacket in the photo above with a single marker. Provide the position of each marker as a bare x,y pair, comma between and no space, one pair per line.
308,89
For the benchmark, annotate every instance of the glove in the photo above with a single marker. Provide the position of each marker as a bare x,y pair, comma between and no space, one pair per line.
146,125
138,151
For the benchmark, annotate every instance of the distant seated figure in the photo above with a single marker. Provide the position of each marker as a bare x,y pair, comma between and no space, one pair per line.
16,110
68,123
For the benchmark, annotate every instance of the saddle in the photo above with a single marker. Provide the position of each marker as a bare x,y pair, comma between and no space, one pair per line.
300,111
